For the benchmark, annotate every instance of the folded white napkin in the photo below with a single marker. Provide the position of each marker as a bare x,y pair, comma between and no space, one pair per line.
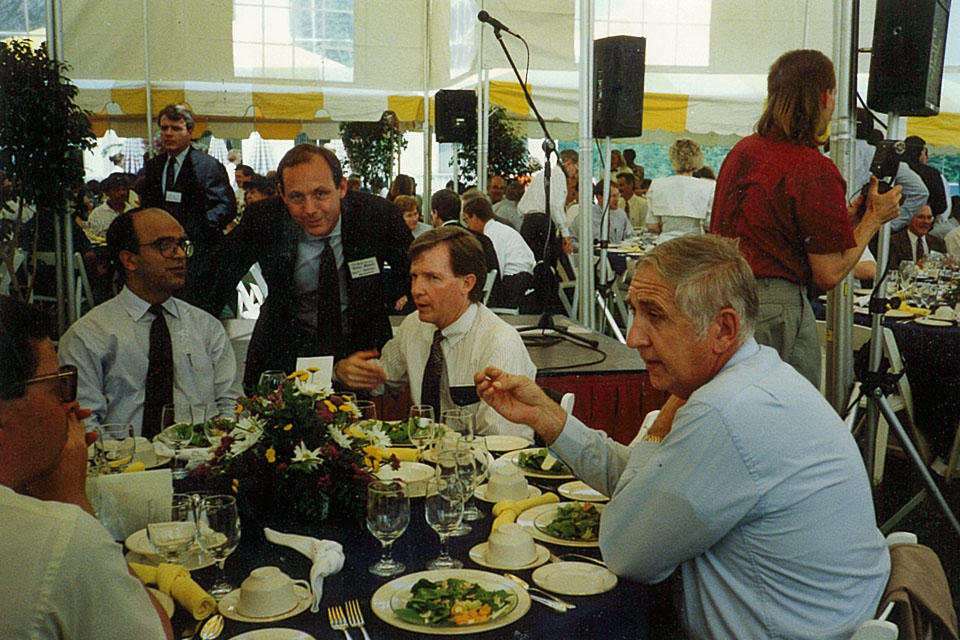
327,557
121,500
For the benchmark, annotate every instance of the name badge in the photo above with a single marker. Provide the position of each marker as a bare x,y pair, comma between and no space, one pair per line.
173,196
363,268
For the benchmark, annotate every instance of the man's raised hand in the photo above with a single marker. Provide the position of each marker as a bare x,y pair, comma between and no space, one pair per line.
358,372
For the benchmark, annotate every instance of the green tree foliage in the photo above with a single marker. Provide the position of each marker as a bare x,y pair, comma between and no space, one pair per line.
507,155
370,149
42,137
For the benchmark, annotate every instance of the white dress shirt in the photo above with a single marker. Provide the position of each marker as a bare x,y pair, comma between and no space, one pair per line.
680,205
476,340
533,199
513,253
110,346
913,245
101,217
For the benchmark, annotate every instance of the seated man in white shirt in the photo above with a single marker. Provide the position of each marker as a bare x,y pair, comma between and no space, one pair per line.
62,575
734,482
619,227
451,336
114,188
133,358
513,253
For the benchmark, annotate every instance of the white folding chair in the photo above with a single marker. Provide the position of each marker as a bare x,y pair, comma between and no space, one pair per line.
488,285
83,289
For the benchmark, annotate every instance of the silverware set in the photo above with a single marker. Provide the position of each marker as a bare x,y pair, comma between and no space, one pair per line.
349,616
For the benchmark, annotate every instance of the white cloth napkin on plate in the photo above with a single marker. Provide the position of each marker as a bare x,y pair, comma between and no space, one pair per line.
327,557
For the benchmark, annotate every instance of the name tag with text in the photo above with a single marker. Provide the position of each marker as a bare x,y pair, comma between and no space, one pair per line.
363,268
174,196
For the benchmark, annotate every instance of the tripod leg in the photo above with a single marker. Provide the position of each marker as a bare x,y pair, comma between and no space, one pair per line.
894,422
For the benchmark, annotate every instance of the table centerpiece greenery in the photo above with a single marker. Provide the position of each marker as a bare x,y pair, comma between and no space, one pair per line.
299,452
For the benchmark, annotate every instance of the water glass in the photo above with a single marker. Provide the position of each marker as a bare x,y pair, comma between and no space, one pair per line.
443,511
176,431
476,446
366,411
388,514
421,428
271,380
119,445
219,535
171,525
457,467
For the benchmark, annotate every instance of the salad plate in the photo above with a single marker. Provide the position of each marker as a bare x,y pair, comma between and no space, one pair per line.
277,633
575,578
933,322
532,468
506,443
579,490
537,519
396,430
138,543
397,595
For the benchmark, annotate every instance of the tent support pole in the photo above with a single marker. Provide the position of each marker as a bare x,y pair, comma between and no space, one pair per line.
426,212
587,309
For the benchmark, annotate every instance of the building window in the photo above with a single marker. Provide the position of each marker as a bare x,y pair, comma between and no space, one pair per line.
23,18
677,31
296,39
463,36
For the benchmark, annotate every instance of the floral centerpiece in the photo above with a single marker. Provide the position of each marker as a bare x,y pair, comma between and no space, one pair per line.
300,452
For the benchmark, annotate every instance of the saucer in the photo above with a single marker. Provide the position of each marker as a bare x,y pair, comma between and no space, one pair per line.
139,546
930,321
505,443
898,313
228,606
479,555
579,490
481,492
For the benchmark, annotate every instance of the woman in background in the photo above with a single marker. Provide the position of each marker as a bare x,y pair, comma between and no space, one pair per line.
680,205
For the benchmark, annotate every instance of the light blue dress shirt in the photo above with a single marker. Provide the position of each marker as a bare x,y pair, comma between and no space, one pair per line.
306,272
110,346
758,494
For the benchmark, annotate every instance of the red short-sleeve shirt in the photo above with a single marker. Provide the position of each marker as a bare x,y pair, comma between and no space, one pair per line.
783,201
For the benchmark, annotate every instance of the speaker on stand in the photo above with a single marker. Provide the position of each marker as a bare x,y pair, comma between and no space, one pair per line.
619,64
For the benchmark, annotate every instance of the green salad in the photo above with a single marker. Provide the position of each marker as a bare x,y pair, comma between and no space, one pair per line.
397,431
575,521
535,461
454,602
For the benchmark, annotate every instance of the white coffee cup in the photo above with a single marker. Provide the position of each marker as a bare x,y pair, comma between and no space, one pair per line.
507,483
267,592
945,313
511,546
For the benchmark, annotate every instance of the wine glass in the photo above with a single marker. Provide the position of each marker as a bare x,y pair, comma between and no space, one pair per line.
171,525
219,534
366,411
270,380
476,446
443,511
421,429
456,466
928,295
214,427
119,445
176,434
388,514
907,270
96,459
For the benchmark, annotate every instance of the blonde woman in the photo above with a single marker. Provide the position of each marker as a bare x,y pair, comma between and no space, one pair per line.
680,205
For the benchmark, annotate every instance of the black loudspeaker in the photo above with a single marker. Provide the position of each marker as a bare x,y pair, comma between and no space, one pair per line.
906,68
619,63
454,109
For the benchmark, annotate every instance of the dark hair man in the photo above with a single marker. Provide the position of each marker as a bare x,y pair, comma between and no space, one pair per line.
195,189
514,255
445,205
917,157
447,274
321,249
787,204
63,576
633,205
718,487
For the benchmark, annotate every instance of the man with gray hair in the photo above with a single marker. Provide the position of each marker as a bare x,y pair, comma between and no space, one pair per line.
735,481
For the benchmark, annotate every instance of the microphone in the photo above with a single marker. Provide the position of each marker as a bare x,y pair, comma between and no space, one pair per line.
483,16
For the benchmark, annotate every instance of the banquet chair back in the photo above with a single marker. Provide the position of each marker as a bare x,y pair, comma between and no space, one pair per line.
84,292
488,285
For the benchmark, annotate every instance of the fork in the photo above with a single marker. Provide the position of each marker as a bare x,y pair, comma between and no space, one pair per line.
355,616
338,622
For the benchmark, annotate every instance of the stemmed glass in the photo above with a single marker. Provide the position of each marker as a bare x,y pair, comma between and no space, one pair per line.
270,380
456,465
119,445
176,434
388,514
928,295
214,427
171,525
476,446
443,510
421,428
219,535
366,411
907,270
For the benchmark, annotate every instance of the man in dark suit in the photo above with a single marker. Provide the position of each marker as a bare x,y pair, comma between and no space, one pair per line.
915,242
195,189
321,249
446,211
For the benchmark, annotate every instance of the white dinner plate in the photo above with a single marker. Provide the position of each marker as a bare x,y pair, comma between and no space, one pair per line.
579,490
415,474
479,555
531,473
898,313
933,322
228,606
506,443
385,597
481,493
278,633
138,543
165,601
545,512
575,578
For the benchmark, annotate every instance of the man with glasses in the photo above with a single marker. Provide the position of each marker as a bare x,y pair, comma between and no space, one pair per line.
144,348
62,576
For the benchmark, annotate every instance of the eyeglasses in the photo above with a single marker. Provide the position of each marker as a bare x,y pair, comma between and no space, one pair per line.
168,246
66,379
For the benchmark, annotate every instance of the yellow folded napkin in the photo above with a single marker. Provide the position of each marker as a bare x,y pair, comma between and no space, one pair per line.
175,581
914,310
135,466
507,510
404,454
505,516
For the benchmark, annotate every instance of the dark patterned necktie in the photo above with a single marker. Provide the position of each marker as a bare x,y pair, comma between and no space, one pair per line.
920,252
159,385
171,173
430,387
328,302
